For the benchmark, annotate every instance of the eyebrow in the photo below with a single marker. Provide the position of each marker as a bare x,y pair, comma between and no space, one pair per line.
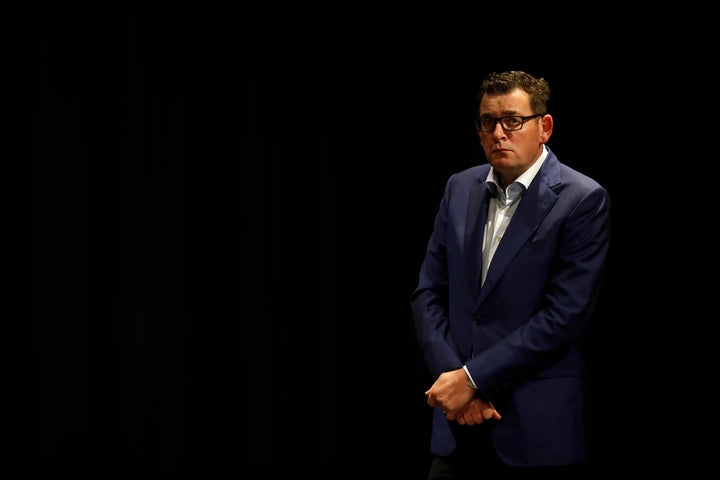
504,113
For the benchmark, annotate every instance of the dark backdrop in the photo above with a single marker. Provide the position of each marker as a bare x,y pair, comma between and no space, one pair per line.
220,214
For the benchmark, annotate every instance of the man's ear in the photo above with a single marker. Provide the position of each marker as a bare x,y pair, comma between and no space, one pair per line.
547,128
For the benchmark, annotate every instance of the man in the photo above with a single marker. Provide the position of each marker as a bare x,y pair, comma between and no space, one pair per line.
509,281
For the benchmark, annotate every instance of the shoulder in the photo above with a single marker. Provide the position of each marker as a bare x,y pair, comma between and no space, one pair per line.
470,175
561,175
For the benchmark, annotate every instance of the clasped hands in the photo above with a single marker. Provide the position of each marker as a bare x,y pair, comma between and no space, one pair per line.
453,392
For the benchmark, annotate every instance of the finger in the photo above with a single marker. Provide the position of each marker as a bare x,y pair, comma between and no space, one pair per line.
496,414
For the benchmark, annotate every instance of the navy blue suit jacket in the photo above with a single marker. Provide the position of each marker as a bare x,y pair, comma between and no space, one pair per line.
520,333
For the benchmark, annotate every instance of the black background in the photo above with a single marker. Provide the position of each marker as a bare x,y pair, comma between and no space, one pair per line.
220,213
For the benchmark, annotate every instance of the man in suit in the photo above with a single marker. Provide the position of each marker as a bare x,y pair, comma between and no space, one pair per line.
509,281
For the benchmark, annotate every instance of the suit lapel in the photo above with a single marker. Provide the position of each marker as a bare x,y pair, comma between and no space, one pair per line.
475,226
534,207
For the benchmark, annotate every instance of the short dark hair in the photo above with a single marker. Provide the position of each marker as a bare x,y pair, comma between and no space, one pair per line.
501,83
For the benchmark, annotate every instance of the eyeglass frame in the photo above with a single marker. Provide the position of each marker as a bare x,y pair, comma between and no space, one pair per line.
523,119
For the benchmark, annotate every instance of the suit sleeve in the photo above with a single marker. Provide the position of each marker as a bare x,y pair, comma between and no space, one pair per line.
429,301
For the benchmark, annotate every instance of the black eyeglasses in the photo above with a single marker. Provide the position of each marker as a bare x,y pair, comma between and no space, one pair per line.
509,124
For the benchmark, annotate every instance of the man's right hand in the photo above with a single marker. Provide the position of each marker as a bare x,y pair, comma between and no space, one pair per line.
476,412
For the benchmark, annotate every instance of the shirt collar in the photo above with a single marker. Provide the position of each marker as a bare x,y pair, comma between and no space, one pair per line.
525,179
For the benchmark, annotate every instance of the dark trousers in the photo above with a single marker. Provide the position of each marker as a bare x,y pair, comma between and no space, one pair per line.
475,458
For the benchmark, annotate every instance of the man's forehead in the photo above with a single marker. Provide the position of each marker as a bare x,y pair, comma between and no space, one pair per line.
515,101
